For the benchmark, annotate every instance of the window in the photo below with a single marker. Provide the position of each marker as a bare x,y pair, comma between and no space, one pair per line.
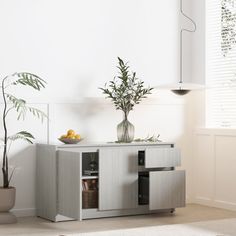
221,63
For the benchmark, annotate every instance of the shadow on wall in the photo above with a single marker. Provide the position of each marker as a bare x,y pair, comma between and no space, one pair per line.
92,119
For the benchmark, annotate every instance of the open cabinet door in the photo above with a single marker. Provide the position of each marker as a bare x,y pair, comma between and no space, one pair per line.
69,186
167,189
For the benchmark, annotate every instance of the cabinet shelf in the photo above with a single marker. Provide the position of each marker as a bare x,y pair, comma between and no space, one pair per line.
90,177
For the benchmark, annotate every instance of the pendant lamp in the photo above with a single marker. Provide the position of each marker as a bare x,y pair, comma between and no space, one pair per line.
182,88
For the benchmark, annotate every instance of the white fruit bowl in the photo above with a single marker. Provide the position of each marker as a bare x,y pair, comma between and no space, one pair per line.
70,140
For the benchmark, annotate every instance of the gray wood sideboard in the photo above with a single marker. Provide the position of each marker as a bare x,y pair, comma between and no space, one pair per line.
130,179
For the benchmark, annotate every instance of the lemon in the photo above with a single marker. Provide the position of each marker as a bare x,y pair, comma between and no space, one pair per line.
70,132
70,136
77,136
64,136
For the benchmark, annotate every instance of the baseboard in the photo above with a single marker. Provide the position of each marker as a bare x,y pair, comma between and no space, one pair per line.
215,203
24,212
189,200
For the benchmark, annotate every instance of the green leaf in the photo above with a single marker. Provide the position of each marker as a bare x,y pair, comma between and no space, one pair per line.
23,135
19,105
36,112
29,79
22,108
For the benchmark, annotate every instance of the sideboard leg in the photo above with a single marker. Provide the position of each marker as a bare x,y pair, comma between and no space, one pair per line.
172,211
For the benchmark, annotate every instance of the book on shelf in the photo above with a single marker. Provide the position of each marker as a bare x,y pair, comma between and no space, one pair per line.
83,186
89,185
86,186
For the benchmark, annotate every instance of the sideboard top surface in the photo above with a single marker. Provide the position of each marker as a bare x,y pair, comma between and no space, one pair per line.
108,144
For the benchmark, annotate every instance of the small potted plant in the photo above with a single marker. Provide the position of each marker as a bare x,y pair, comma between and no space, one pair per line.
10,103
125,91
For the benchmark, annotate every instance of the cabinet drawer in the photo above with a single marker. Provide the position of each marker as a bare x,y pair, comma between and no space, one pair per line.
162,157
166,189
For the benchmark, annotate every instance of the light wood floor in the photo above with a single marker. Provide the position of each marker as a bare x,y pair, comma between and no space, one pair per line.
192,213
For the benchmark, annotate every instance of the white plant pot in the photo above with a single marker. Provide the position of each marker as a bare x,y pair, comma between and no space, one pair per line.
7,202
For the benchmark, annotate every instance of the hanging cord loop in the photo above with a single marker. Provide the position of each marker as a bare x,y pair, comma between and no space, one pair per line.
181,40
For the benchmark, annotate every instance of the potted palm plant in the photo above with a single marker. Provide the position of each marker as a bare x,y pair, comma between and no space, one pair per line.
11,103
126,90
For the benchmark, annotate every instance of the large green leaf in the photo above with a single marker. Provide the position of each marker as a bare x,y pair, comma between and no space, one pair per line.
19,105
29,79
36,112
22,108
22,135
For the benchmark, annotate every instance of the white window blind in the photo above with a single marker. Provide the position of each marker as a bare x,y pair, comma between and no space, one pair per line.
221,63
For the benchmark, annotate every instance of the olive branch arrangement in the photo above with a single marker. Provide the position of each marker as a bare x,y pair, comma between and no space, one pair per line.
10,103
125,90
151,139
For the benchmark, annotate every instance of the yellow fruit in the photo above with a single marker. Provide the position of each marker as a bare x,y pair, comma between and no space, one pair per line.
70,136
64,136
70,132
77,136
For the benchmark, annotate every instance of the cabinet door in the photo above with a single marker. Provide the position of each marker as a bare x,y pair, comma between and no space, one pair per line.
69,184
118,178
167,189
162,157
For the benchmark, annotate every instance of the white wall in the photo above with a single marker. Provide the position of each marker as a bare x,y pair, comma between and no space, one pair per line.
73,45
194,43
214,168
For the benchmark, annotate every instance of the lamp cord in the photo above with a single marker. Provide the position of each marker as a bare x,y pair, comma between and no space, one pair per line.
181,39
